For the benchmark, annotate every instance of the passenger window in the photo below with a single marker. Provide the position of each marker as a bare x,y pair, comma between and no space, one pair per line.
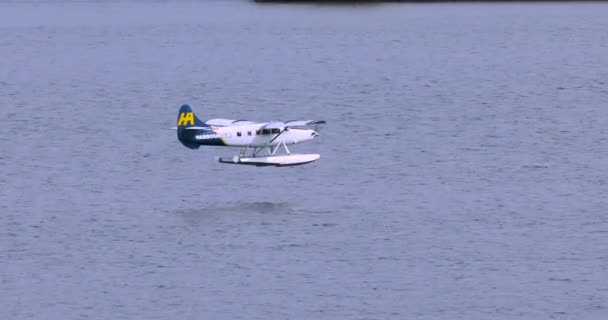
276,130
257,132
248,133
238,134
265,131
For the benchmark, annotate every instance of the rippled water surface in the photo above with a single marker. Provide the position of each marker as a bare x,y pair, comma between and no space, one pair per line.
463,169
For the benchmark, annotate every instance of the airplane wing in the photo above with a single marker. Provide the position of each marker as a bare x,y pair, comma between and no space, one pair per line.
284,126
301,123
226,122
275,125
292,123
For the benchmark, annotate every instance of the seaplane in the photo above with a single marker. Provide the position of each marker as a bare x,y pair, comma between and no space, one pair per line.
259,142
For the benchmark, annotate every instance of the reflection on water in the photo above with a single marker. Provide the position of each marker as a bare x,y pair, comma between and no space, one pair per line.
237,207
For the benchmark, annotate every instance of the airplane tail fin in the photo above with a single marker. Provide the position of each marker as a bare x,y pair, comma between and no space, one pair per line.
188,125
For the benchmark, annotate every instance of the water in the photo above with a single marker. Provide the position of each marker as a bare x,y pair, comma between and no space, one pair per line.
462,171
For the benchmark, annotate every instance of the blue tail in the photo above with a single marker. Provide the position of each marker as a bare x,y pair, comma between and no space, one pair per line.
187,119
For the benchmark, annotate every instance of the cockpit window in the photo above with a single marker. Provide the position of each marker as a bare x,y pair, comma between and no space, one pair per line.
276,130
265,131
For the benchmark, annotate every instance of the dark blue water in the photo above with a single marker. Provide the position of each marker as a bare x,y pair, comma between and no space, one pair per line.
462,175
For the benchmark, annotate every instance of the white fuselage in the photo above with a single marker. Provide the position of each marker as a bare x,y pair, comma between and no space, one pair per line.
255,135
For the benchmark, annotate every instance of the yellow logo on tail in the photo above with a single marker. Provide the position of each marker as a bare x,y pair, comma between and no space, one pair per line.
185,118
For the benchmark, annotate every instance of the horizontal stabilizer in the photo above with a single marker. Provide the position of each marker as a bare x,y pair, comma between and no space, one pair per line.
193,128
197,128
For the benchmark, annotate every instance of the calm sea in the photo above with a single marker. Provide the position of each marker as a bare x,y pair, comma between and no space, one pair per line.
463,170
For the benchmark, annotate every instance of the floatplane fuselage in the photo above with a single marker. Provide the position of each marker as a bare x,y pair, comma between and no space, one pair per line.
259,142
